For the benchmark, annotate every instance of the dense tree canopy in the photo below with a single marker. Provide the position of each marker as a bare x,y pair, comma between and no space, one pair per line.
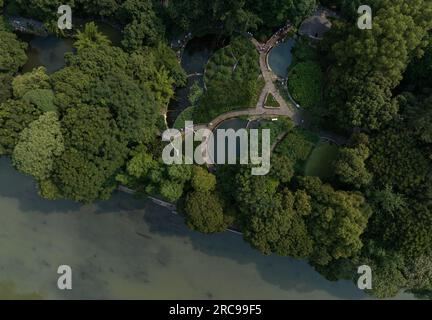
38,146
12,52
96,123
369,64
240,16
93,154
90,37
15,116
351,164
339,219
36,79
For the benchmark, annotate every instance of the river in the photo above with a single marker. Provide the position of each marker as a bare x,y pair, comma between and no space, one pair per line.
49,51
131,248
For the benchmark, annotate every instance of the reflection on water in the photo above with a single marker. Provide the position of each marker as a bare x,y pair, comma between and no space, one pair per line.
49,51
46,51
280,57
131,248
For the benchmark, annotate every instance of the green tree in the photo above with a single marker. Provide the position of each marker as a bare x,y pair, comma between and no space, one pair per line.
15,116
396,161
419,273
202,180
134,109
140,164
280,229
90,37
388,274
275,13
5,86
143,28
367,66
42,98
282,168
71,85
180,172
339,220
195,93
38,146
204,212
419,116
48,189
12,53
101,8
273,221
165,56
93,154
417,76
351,168
36,79
171,190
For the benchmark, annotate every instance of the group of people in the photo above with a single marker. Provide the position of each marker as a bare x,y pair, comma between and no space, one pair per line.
275,39
180,44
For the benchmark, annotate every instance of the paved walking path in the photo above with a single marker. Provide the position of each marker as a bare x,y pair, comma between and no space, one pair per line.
279,138
269,87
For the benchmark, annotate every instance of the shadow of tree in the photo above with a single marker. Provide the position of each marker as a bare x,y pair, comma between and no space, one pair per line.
282,272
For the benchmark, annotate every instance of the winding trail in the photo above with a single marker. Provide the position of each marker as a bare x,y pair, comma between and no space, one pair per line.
269,88
259,110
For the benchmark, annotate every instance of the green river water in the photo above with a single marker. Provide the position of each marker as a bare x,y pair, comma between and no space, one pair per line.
131,248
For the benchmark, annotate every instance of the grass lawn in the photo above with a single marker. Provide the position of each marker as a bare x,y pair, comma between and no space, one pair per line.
320,162
310,155
271,101
186,115
277,127
305,83
232,79
297,146
305,78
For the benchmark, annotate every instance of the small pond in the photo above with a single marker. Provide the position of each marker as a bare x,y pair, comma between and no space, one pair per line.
46,51
49,51
280,57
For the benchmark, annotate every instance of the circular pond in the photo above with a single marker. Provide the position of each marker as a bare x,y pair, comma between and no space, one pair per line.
280,57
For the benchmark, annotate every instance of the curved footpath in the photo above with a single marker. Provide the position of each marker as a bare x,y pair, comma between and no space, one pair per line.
269,77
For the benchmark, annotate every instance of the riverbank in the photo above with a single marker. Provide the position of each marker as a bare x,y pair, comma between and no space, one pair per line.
127,248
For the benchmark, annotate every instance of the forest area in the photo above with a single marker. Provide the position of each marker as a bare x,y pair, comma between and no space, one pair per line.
95,124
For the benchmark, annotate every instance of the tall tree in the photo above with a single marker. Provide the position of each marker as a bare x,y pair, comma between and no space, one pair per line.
273,222
90,37
143,26
38,146
12,52
93,154
368,64
339,219
15,116
350,166
204,212
36,79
